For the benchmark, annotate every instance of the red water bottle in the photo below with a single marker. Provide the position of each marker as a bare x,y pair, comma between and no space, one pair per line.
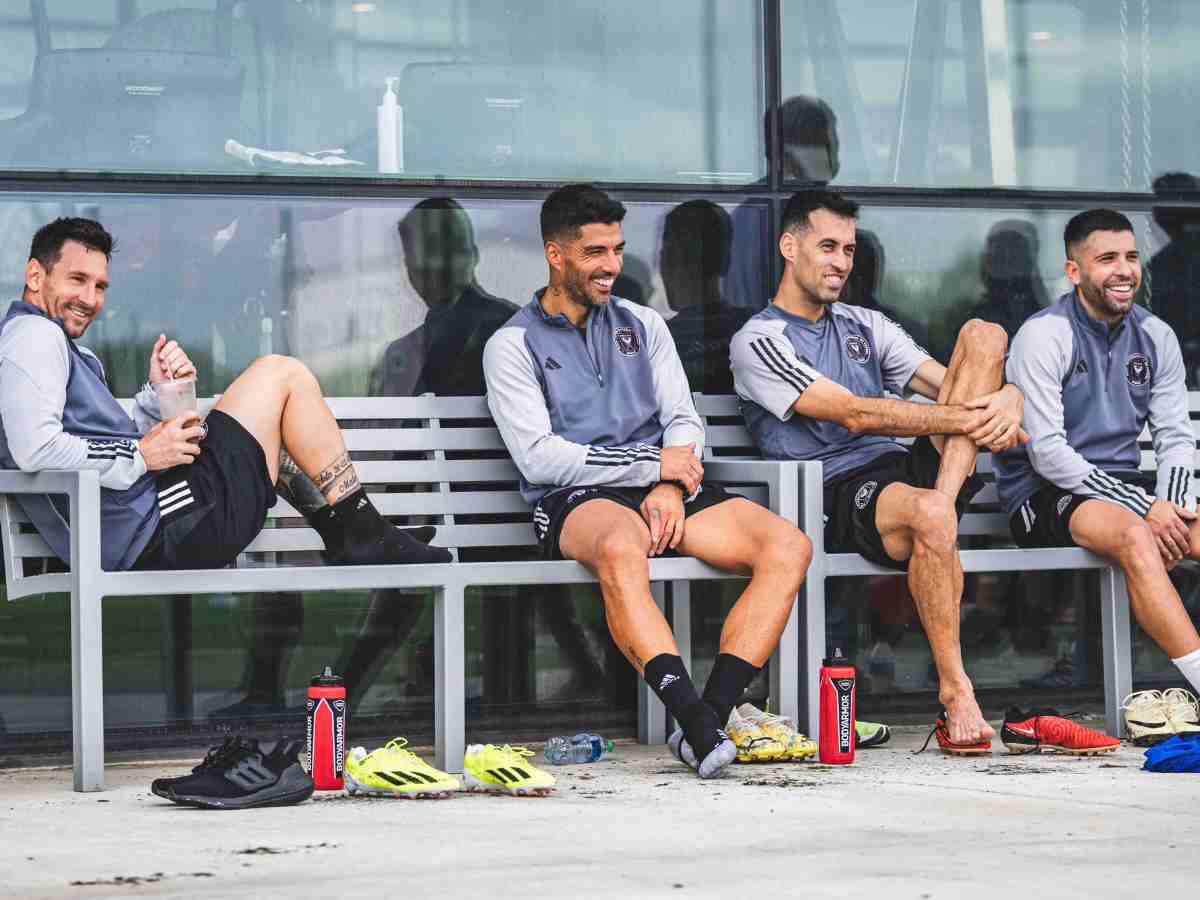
838,711
325,730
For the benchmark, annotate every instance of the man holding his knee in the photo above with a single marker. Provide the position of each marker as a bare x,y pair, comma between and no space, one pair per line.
1096,369
813,373
180,494
592,402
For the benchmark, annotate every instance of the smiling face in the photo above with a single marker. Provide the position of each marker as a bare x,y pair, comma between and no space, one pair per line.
73,290
1106,269
585,268
819,257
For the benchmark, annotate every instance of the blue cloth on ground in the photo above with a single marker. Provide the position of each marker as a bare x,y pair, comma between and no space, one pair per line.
1179,754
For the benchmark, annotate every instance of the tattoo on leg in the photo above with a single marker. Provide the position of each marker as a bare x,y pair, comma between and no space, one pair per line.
296,487
335,471
633,655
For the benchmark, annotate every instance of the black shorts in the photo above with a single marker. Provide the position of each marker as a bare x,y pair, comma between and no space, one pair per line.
210,510
552,510
850,499
1044,520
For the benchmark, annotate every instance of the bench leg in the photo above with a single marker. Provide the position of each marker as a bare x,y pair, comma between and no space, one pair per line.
87,687
1118,656
785,669
811,651
652,715
449,697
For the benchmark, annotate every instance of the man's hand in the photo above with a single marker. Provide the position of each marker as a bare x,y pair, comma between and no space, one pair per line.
167,361
172,443
663,511
680,464
1002,412
1169,523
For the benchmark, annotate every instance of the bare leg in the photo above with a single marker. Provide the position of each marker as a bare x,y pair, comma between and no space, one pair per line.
740,536
614,543
922,526
976,368
1115,532
278,400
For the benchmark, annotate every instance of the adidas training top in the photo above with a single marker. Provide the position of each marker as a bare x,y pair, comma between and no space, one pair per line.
588,406
777,355
56,412
1089,390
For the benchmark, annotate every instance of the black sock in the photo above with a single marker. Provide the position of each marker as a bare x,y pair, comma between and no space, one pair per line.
358,518
328,526
669,679
728,680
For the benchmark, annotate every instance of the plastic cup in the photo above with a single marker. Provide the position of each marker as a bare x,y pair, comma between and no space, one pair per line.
176,397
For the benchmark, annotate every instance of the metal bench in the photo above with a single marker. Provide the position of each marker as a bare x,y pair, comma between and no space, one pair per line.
459,477
983,519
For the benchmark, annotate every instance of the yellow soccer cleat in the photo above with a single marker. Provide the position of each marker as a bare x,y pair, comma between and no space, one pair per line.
753,743
504,770
392,771
796,745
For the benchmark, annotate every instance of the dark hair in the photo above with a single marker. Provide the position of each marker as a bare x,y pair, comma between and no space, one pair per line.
808,121
568,209
418,217
47,244
1081,226
795,214
697,235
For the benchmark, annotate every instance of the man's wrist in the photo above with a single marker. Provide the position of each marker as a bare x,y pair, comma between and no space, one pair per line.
683,491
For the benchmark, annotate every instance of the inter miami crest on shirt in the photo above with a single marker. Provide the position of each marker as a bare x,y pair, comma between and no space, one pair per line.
857,348
1137,370
627,341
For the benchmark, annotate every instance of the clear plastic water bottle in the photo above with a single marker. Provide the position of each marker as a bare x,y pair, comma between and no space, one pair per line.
579,748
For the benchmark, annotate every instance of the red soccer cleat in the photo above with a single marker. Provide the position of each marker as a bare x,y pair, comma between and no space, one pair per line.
942,733
1045,730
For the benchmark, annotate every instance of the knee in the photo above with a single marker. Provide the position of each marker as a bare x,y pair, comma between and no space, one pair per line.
1138,548
787,551
934,523
284,368
619,550
985,339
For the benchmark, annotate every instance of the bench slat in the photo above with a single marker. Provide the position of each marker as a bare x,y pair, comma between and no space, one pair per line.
514,534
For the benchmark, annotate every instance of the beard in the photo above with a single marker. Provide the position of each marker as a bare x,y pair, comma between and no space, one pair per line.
575,284
1095,295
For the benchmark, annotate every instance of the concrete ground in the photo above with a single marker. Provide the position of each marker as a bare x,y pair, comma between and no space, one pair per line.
637,825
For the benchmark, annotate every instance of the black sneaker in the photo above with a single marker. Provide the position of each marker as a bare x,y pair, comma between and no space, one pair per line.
239,775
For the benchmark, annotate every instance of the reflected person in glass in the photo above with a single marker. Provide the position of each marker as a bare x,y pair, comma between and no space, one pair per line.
444,356
1175,270
810,154
813,374
171,501
592,402
1097,369
696,242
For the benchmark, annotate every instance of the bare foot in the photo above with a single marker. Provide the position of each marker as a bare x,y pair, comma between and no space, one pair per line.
966,723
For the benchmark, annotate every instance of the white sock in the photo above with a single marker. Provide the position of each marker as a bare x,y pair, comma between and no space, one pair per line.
1189,665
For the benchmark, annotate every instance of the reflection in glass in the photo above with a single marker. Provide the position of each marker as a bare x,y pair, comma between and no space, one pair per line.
487,91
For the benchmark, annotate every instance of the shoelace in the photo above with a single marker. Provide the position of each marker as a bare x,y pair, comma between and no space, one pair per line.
398,745
231,750
1140,698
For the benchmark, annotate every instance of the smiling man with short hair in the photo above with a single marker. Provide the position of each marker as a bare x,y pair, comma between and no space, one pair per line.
1096,369
592,401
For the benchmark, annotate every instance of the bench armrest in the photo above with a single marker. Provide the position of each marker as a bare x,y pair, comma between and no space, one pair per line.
83,494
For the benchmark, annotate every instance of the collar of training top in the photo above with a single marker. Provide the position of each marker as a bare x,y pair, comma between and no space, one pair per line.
1109,332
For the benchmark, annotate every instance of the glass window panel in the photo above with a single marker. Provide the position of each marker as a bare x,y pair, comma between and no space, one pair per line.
1053,94
391,297
637,92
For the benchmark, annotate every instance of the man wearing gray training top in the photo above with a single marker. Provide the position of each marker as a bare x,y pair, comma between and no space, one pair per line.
1095,369
813,374
593,404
